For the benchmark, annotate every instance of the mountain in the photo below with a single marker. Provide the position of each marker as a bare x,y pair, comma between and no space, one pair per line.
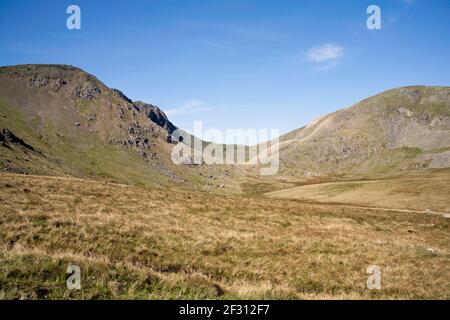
97,189
60,120
396,131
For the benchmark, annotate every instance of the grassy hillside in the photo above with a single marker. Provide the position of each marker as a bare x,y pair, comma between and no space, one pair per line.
429,190
86,178
79,127
58,153
132,243
400,130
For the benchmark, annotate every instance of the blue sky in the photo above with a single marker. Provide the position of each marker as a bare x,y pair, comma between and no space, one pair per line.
237,63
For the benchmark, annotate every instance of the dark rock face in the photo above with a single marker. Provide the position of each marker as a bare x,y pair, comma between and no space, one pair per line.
138,137
7,137
156,115
121,95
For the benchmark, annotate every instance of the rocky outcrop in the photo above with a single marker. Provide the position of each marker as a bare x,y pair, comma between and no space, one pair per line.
155,114
53,83
86,91
8,138
121,95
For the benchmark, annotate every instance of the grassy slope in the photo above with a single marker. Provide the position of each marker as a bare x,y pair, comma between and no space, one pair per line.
426,190
378,138
132,243
136,243
73,135
81,155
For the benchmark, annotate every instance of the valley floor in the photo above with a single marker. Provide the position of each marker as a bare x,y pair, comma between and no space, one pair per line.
428,190
154,244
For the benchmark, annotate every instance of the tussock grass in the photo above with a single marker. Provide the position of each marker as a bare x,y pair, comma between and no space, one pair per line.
418,193
154,244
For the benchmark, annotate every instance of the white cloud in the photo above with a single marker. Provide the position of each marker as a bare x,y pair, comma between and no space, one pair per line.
193,106
325,53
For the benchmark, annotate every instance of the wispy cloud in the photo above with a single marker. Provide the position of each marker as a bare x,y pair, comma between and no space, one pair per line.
193,106
326,52
325,57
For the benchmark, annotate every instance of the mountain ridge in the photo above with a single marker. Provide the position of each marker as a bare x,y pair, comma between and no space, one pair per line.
416,117
68,113
83,128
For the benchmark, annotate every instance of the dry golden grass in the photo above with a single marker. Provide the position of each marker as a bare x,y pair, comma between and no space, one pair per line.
430,191
136,243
